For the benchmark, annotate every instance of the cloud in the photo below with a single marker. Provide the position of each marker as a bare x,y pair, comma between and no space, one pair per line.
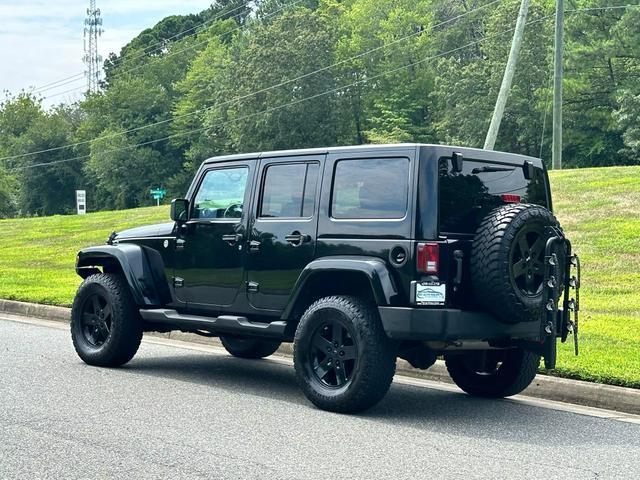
42,41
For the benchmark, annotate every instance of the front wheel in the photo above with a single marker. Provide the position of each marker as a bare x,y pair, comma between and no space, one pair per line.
493,373
244,347
105,327
344,361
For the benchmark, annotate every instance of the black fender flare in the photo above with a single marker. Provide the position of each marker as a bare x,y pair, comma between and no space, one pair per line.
375,270
141,266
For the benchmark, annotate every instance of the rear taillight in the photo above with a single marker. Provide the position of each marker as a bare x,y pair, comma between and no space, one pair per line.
428,258
507,198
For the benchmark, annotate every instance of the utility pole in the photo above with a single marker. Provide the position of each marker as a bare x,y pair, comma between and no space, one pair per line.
507,79
556,157
92,30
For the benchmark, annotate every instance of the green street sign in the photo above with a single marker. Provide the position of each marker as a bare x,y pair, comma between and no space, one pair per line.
158,194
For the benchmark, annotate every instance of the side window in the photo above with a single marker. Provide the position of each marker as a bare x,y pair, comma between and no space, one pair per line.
289,191
376,189
221,194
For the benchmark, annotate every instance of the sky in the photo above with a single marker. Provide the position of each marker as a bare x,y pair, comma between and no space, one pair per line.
41,41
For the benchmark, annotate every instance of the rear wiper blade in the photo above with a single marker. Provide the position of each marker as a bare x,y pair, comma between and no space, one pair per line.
491,169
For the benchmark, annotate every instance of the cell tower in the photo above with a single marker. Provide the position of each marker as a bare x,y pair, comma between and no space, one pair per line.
92,30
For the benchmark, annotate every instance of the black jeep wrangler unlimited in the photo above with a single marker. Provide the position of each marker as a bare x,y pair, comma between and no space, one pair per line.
357,255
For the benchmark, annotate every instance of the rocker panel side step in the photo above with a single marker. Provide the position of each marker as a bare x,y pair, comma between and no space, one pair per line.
222,324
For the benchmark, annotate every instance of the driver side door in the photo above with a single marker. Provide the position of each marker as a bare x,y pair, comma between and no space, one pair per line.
209,249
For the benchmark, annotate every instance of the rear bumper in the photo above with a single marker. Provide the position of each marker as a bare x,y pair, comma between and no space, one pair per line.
403,323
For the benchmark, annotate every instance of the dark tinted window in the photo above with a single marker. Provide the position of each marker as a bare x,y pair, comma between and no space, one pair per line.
221,194
289,190
466,197
371,188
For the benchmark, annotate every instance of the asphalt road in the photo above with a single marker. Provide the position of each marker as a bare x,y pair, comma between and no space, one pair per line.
178,412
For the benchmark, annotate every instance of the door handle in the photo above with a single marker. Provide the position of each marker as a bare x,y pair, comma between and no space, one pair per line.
254,246
232,238
180,244
297,238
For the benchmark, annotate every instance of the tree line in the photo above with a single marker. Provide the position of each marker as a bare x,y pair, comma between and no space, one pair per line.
247,76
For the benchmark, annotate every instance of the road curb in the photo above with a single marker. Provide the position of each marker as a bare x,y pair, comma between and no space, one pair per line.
546,387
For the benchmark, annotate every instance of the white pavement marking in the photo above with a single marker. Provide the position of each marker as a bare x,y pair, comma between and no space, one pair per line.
521,399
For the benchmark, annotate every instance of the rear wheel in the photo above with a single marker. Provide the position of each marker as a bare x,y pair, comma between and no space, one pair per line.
493,373
344,361
105,327
245,347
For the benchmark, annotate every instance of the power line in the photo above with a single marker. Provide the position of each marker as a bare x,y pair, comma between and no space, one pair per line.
279,107
62,84
78,76
150,49
58,94
162,42
191,47
263,90
365,80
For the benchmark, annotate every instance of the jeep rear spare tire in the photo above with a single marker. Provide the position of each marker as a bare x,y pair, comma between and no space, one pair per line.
507,261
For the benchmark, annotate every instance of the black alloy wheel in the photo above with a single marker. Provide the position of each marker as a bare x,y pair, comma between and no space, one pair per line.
343,359
334,354
105,325
527,260
96,319
493,373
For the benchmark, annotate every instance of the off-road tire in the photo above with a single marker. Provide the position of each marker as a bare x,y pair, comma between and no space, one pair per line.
375,355
125,332
243,347
491,274
517,371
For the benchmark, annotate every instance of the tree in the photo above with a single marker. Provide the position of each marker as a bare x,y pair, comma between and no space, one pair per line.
224,81
113,120
468,80
391,107
294,43
172,34
602,61
8,189
628,118
124,173
203,89
47,190
26,127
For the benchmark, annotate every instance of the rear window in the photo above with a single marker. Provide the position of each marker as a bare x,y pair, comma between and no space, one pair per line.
370,189
466,197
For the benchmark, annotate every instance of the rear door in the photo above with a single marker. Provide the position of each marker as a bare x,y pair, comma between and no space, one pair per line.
283,234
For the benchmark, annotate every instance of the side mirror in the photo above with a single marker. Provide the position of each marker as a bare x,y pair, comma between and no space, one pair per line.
456,162
180,210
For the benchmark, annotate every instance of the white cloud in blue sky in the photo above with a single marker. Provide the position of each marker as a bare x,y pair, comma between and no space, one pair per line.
42,41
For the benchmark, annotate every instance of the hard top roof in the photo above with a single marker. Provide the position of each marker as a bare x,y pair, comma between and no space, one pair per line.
436,150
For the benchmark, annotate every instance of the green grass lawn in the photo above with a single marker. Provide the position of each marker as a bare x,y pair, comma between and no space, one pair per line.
598,208
37,255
